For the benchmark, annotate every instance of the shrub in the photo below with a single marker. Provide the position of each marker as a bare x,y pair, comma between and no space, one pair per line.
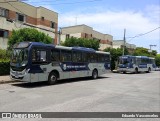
4,68
4,55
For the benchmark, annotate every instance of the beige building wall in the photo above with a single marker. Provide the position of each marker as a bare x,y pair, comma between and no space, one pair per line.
97,35
120,44
84,31
77,35
77,29
23,7
32,18
3,43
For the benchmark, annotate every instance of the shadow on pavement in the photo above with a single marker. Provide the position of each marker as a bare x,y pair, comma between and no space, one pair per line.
43,84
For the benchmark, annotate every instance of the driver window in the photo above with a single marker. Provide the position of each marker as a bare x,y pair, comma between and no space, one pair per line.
39,55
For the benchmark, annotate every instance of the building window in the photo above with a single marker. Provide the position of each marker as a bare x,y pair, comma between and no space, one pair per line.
86,35
4,33
42,18
52,24
67,36
20,17
4,12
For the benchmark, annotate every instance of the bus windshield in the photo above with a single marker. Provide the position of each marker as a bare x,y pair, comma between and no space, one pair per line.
19,57
123,61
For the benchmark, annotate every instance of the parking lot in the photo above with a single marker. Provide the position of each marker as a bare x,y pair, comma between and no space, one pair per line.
111,92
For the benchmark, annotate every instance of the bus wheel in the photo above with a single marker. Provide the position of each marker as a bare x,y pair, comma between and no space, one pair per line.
149,70
136,71
95,74
52,79
124,72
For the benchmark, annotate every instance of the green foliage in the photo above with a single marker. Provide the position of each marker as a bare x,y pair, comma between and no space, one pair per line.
154,53
4,62
28,34
157,59
89,43
4,55
4,68
140,51
115,53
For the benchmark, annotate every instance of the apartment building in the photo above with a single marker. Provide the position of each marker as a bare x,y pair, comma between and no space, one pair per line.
84,31
120,44
17,15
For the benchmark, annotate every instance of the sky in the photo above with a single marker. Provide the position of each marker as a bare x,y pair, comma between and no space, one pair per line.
138,17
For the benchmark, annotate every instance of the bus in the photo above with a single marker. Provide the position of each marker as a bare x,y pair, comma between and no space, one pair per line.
36,62
135,64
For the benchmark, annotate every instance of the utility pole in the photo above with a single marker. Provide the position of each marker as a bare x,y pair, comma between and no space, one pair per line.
124,41
151,48
59,32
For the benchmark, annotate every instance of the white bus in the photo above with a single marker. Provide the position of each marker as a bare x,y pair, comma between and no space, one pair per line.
35,62
135,64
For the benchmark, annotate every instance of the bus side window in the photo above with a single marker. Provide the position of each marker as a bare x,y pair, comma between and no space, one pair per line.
93,57
43,56
55,55
107,58
77,56
84,57
66,55
101,58
39,55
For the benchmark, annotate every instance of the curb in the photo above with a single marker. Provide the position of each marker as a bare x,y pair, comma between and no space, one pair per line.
5,82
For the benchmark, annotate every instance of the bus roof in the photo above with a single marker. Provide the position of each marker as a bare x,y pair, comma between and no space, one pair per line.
101,52
129,56
83,49
151,58
142,57
76,48
63,47
27,44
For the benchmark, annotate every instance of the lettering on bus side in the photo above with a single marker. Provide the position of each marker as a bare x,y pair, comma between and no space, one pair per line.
71,66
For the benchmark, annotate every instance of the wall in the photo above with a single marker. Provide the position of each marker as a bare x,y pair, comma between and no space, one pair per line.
33,18
3,43
89,33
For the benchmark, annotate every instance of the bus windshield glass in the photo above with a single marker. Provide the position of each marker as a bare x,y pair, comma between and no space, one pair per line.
19,57
123,61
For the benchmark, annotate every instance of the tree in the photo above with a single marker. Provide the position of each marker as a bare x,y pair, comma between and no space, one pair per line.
4,55
157,59
140,51
28,34
115,53
81,42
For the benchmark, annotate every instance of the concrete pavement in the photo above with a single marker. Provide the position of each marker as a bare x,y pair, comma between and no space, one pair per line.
111,92
5,79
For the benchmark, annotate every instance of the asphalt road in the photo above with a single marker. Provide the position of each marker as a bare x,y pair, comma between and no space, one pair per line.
111,92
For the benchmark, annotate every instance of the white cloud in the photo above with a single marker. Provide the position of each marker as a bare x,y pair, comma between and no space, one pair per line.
113,22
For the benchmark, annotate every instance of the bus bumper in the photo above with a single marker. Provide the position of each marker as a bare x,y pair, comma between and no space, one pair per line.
20,76
126,70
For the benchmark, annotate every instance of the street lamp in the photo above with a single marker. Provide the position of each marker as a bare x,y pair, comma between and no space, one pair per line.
150,50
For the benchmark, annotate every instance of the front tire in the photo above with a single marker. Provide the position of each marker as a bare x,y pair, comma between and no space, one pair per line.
149,70
136,70
95,74
52,78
